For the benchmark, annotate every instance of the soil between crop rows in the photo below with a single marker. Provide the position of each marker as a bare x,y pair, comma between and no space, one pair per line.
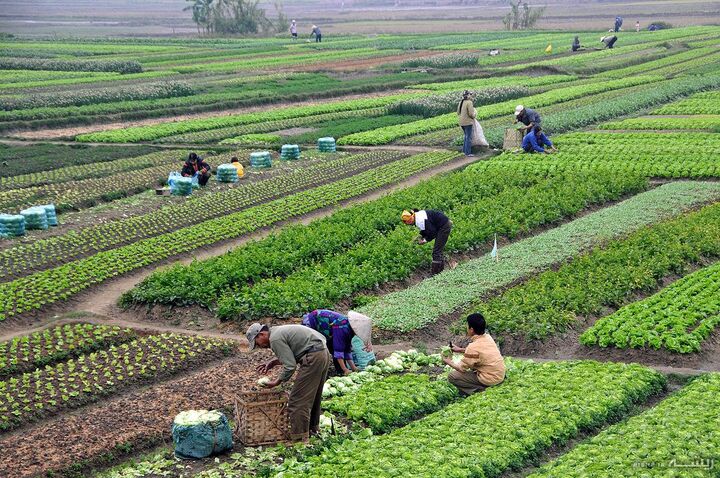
141,419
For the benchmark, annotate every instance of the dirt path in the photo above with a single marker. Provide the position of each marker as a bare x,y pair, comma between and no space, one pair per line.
102,300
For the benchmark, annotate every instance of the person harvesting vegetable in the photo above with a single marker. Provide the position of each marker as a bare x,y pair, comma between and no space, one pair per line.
536,141
196,165
295,345
339,331
433,225
528,117
482,365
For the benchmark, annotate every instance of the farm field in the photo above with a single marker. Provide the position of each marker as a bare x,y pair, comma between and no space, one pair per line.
123,304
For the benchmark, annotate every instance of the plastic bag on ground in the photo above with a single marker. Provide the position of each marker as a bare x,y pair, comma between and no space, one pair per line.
478,136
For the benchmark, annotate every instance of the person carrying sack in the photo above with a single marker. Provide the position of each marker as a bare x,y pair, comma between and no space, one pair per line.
466,118
296,345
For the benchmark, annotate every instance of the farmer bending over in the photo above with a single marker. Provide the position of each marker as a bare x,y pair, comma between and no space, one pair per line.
535,142
482,365
528,117
196,165
339,330
295,345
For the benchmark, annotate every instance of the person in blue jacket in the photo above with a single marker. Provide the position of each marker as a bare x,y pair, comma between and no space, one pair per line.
536,141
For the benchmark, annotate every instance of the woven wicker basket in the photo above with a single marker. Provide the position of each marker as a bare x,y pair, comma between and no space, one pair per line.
513,139
262,417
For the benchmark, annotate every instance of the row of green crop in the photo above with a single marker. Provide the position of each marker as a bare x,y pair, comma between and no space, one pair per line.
46,287
491,82
393,401
441,103
503,428
150,133
34,158
424,303
147,91
389,134
652,66
92,170
26,353
394,256
47,391
659,123
271,126
334,128
45,253
679,318
69,65
28,79
691,106
676,438
607,277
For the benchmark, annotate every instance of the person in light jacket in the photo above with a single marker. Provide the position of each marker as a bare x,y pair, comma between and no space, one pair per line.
293,30
466,118
433,225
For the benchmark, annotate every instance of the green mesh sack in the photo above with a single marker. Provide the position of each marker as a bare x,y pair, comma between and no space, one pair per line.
201,433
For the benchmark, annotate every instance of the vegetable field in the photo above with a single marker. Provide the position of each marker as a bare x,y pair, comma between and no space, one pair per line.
125,291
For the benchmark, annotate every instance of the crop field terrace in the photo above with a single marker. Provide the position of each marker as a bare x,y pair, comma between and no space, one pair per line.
604,295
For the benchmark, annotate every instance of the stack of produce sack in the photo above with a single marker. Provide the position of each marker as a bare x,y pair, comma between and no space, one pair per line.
12,225
290,152
182,187
35,218
227,173
261,159
51,214
326,145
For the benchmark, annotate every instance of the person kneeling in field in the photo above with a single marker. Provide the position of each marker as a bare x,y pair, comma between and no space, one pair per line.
295,345
535,142
196,165
482,365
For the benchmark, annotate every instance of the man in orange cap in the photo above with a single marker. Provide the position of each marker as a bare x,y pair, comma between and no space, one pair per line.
433,225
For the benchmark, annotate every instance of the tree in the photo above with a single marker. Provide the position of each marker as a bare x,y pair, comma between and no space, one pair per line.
521,16
234,17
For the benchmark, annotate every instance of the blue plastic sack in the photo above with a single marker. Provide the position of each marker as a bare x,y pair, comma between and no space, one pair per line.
172,178
201,433
196,180
361,358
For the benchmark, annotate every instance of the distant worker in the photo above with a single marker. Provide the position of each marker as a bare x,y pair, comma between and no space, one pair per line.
339,330
653,27
296,345
528,117
609,41
536,141
433,225
466,118
482,365
196,165
618,24
637,26
293,30
240,170
576,46
318,34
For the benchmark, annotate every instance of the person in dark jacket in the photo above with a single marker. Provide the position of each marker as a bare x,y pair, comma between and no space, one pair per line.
609,41
317,33
529,117
618,24
433,225
576,46
195,164
536,141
